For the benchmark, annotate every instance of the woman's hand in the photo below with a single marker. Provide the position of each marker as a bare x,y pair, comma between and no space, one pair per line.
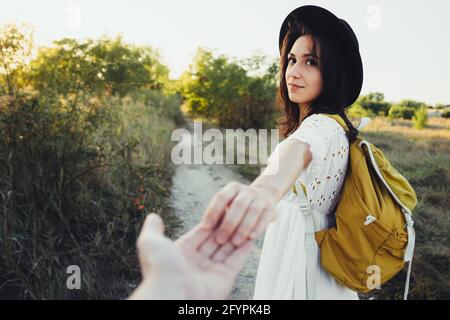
241,212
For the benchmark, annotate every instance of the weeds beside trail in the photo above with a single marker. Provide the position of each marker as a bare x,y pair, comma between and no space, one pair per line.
75,185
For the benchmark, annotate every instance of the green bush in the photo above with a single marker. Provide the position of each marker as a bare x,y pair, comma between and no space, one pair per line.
357,111
411,104
420,118
374,102
167,106
446,114
399,112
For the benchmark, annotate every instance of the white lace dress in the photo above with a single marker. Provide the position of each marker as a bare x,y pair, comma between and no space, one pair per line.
282,267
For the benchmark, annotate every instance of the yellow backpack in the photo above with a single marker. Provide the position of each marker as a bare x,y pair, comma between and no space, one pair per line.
374,235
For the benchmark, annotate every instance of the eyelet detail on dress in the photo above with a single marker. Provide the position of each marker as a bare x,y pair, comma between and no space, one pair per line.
323,178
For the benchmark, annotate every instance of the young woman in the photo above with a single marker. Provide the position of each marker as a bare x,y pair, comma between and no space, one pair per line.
321,73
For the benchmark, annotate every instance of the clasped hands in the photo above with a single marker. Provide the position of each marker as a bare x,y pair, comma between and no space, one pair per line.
204,262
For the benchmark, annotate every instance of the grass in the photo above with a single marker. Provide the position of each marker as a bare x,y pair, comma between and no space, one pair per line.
436,128
423,157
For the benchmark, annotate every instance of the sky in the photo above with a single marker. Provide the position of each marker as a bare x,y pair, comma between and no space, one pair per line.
404,44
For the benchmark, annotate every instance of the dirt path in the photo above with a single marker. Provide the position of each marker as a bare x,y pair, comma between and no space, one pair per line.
193,186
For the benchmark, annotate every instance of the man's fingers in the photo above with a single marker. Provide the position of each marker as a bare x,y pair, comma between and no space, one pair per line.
151,242
218,204
223,252
153,224
209,246
195,237
236,259
234,216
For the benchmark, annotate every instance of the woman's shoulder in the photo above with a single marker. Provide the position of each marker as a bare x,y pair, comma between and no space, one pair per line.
321,125
319,118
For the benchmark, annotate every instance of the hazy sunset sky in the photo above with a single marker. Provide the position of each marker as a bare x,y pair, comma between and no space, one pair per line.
404,44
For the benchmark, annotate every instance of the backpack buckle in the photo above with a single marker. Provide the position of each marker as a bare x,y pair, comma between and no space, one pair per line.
409,221
408,218
369,219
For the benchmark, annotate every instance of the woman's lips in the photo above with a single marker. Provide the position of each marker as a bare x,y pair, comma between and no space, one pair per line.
294,86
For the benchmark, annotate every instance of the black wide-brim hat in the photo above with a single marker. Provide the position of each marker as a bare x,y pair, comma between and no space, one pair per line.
322,22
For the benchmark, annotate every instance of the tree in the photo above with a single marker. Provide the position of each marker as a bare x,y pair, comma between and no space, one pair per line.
439,106
125,67
16,43
101,66
220,88
412,104
375,103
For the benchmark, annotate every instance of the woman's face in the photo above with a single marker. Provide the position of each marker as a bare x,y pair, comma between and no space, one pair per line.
303,76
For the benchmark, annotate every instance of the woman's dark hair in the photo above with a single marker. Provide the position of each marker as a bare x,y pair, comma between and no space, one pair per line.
332,99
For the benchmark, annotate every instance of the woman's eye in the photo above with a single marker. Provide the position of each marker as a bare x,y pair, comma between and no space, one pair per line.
290,59
311,62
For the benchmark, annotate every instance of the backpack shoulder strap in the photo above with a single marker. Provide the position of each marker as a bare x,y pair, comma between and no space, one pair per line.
362,123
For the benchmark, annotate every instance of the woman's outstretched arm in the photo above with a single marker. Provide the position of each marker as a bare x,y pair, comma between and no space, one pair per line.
243,211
